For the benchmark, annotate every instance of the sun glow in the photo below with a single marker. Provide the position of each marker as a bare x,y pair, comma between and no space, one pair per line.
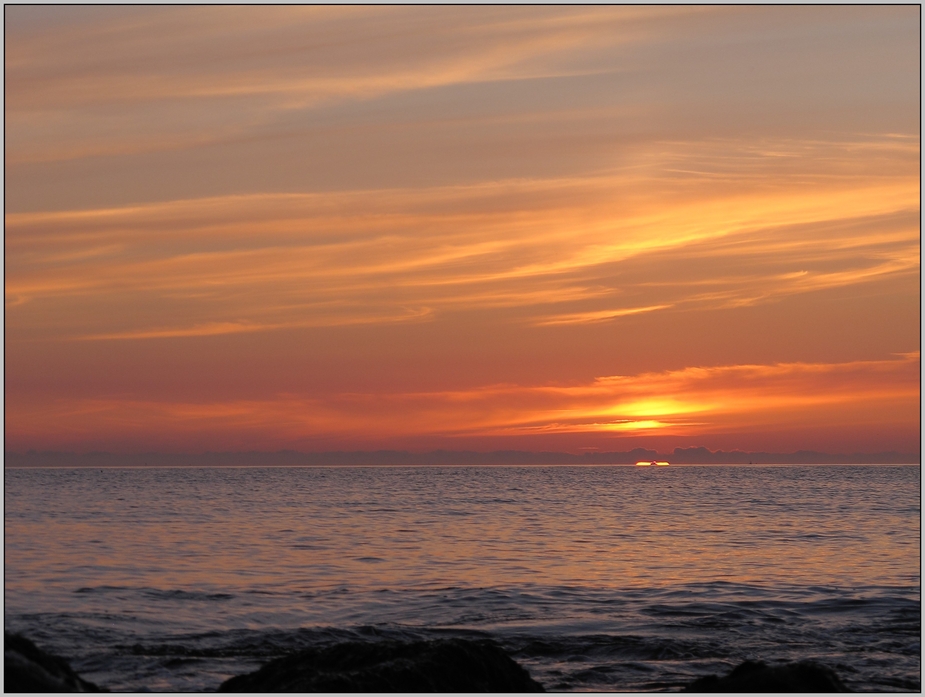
645,425
725,399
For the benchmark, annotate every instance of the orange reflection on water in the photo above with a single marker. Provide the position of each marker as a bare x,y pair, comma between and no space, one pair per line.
298,529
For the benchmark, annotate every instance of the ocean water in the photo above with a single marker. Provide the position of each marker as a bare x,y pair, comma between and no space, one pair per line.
593,578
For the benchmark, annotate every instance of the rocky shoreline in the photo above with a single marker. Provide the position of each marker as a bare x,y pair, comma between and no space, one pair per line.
26,668
442,665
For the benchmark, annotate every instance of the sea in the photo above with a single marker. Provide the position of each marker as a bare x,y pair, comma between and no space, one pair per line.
603,578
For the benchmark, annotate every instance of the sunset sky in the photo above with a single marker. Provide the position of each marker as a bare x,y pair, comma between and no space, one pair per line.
536,228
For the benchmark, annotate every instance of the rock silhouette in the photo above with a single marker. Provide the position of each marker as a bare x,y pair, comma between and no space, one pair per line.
26,668
756,676
444,665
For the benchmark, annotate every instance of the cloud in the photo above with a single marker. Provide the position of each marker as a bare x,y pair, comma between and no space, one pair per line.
220,328
136,81
597,315
556,252
860,395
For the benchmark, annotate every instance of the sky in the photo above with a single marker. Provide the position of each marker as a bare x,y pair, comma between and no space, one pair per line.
536,228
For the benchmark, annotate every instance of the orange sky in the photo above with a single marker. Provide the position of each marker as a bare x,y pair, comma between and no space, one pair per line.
540,228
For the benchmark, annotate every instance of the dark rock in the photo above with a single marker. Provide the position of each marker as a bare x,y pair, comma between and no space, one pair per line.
26,668
755,676
444,665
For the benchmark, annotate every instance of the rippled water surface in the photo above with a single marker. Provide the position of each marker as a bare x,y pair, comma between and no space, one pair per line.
595,578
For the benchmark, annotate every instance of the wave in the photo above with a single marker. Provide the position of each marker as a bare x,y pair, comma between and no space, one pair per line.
568,637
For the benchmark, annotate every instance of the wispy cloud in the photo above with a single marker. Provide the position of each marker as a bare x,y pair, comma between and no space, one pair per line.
598,315
559,250
859,395
219,328
255,65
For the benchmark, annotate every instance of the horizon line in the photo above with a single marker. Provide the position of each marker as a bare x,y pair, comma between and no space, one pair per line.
441,457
